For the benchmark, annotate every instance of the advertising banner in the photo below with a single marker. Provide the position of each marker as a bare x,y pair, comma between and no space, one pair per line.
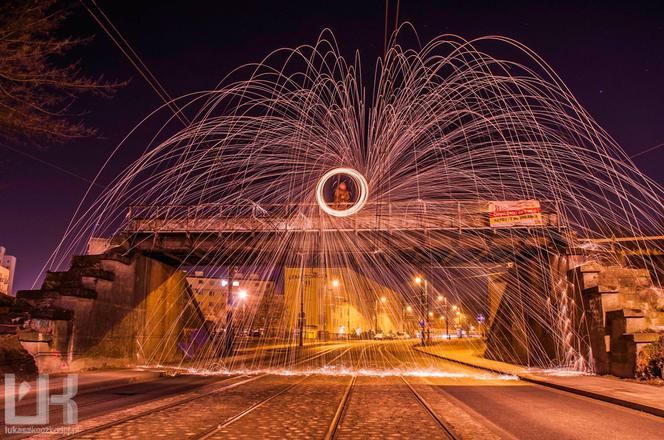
515,213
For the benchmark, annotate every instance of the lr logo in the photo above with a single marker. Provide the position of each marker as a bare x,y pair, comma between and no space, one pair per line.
44,400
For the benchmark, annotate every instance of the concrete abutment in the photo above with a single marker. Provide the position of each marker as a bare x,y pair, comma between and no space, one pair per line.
117,311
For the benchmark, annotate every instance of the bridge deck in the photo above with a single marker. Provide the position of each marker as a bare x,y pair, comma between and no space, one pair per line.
387,217
454,231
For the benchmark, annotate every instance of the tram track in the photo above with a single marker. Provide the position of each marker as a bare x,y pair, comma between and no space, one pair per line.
448,431
213,430
229,421
444,426
341,409
171,405
165,407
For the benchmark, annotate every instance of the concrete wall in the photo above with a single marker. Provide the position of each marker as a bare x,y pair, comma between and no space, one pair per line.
135,311
521,326
622,312
8,263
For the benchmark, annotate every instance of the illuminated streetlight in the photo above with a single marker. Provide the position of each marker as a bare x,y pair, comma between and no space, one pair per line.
454,308
242,294
224,283
424,304
440,297
335,283
409,308
382,300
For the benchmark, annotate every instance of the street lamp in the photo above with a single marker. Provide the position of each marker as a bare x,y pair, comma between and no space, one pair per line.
460,317
382,300
336,284
446,305
408,309
229,334
242,296
302,316
424,306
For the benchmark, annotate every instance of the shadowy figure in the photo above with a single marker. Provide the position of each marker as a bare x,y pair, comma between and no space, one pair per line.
341,197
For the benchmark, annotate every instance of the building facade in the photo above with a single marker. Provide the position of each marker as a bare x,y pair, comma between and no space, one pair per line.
254,306
340,303
211,293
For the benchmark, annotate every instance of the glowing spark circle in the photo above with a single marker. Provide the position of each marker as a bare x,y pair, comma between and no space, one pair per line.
360,182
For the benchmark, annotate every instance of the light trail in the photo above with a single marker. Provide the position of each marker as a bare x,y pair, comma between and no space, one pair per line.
445,122
361,183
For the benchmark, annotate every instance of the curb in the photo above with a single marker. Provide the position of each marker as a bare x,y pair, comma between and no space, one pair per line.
590,394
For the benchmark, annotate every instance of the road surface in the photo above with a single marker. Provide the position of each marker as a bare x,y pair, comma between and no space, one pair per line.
394,392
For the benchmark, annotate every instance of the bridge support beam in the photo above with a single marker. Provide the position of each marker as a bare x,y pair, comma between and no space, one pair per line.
522,321
124,310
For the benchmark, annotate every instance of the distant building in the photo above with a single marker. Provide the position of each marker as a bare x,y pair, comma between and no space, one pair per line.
339,302
252,296
7,269
211,294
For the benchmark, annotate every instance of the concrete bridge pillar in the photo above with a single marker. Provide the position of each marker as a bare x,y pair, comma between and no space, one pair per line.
124,310
521,323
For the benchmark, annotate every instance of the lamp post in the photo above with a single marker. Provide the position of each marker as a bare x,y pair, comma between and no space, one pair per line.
424,307
301,317
335,285
347,319
380,300
459,317
446,307
242,296
230,303
403,317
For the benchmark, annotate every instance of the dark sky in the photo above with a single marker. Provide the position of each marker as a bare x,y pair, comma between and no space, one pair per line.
610,54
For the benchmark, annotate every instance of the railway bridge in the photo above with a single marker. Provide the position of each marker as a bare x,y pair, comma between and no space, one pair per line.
451,232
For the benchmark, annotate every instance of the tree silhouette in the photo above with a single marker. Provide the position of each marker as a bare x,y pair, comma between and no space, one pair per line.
37,84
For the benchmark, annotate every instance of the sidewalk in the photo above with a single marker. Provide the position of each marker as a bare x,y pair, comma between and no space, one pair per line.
642,397
92,381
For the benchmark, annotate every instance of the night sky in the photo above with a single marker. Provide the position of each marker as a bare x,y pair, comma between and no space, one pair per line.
610,54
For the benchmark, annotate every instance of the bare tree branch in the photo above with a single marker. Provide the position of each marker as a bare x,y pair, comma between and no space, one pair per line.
36,91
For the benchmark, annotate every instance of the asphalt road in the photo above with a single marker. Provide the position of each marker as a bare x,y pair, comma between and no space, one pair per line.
296,393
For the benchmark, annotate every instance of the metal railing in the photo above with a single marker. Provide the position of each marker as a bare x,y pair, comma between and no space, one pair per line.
251,217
